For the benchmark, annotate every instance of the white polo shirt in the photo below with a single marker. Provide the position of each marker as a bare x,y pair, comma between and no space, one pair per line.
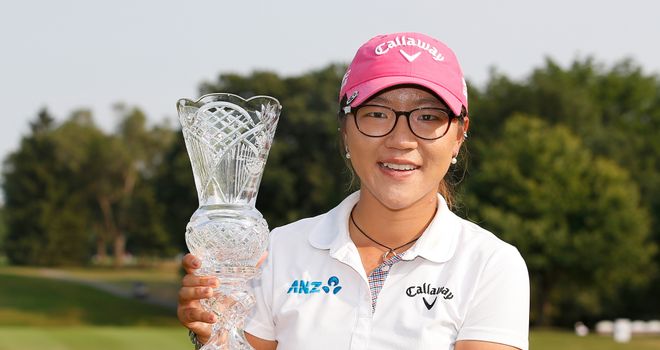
458,282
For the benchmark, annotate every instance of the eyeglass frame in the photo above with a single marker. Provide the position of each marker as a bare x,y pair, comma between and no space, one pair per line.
450,114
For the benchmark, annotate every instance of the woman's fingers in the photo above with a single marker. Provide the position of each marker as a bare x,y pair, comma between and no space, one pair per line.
191,263
198,321
191,316
190,294
199,281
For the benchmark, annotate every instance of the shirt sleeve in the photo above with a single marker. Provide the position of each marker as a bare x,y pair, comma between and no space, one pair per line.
259,322
499,309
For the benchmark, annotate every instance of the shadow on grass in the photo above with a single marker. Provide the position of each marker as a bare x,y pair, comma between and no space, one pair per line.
33,301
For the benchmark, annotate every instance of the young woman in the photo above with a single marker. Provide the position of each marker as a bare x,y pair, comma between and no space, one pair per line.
391,267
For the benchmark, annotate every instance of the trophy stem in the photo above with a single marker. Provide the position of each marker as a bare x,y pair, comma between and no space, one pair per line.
231,302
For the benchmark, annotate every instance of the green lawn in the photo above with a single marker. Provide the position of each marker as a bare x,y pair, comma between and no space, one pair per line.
556,340
163,282
35,301
97,338
166,338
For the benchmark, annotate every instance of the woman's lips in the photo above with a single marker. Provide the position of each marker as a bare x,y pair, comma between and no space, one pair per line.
398,166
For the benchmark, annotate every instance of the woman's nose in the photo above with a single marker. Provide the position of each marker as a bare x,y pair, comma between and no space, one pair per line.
401,136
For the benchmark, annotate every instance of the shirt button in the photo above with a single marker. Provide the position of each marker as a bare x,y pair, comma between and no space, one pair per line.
385,268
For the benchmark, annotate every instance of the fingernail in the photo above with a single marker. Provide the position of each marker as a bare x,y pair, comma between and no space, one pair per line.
211,319
210,282
195,263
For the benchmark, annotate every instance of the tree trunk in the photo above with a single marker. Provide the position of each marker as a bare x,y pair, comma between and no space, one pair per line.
119,249
542,305
101,251
118,239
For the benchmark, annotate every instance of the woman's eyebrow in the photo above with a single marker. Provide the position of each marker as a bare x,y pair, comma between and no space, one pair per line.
424,101
379,99
432,101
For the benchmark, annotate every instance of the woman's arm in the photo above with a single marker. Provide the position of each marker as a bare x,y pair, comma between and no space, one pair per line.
260,344
480,345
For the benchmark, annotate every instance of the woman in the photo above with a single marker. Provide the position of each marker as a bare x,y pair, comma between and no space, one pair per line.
391,267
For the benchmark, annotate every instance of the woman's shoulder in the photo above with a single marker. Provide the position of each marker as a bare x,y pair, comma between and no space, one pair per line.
486,244
298,227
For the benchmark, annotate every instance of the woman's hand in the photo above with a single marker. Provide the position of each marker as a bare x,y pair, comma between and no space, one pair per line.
193,288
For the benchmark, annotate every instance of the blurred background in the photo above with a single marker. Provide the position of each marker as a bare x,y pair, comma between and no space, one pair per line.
563,158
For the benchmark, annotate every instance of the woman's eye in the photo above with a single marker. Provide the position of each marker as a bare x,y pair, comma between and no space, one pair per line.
428,117
376,115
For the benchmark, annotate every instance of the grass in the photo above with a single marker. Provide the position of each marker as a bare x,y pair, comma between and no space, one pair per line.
560,340
97,338
166,338
34,301
163,282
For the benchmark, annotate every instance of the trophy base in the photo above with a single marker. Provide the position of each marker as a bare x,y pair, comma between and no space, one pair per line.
227,339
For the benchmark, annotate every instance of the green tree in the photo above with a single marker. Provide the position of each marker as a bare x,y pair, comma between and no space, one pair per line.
73,184
616,113
176,190
575,217
43,213
113,172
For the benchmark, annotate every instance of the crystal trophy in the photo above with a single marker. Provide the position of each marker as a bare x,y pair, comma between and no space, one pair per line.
228,139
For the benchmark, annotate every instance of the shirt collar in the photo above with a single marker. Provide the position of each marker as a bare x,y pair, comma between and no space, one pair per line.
331,232
439,240
437,243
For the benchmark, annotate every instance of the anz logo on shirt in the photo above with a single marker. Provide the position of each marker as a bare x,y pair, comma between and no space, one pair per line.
311,287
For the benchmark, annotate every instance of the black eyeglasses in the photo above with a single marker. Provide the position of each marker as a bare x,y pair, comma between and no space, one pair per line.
426,122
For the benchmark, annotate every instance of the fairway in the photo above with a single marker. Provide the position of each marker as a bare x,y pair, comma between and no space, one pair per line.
556,340
97,338
34,301
166,338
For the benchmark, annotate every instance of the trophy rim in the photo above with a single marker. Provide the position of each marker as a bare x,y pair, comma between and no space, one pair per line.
183,102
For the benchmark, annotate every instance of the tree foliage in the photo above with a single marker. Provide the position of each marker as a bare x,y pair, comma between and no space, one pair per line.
575,217
43,212
72,186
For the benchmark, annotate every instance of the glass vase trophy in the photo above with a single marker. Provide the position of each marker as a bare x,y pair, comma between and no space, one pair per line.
228,139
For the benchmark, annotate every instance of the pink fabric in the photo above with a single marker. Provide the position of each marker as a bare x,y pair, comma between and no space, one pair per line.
405,58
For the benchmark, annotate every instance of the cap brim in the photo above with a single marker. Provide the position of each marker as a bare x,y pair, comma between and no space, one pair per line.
369,88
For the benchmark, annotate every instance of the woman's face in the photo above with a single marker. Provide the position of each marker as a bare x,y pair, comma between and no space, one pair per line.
400,169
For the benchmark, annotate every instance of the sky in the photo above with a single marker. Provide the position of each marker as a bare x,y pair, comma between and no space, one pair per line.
70,54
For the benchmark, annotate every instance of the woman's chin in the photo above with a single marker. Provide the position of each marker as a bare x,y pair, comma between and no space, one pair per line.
400,199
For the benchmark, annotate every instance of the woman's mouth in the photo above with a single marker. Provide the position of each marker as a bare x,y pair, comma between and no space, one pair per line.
398,167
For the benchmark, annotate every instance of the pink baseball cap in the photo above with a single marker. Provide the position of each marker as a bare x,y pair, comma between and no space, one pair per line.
404,58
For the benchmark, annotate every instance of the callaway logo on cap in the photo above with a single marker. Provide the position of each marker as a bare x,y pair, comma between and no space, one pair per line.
405,58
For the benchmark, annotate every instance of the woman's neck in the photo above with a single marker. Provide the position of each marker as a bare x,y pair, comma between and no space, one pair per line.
391,227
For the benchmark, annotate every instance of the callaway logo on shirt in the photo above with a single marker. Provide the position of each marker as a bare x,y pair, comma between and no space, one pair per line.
432,293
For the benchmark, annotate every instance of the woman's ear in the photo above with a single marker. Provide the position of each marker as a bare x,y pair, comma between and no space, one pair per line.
461,133
466,124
